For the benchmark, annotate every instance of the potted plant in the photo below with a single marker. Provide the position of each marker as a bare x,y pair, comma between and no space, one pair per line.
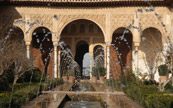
94,75
102,73
163,73
64,75
71,75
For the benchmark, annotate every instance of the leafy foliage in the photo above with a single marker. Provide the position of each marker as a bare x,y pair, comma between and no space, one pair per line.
64,72
26,93
148,95
163,70
71,72
95,72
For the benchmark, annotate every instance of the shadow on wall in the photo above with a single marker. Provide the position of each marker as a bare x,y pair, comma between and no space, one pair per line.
8,14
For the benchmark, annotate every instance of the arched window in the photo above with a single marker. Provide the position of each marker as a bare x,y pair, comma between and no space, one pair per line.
73,28
99,30
91,28
82,28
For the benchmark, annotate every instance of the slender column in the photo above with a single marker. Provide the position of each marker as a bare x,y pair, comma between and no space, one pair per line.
55,61
91,55
27,36
91,64
108,60
28,51
105,58
27,43
59,54
136,40
136,53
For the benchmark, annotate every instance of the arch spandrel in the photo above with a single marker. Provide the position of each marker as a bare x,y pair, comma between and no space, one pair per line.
20,25
43,19
64,20
150,20
121,20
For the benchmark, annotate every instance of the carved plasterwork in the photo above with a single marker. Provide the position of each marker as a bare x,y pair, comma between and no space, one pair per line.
77,39
68,41
64,20
120,20
150,20
45,20
98,40
21,25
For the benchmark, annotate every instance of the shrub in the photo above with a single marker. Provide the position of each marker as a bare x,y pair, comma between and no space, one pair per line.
101,71
4,84
139,92
113,83
95,72
128,77
26,94
19,97
163,70
169,88
71,72
64,72
35,74
159,101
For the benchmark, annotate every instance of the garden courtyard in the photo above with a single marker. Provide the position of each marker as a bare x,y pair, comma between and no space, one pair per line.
86,54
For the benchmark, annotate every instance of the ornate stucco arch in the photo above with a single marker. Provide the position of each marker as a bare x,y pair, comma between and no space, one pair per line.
99,20
20,26
35,27
76,42
155,27
131,30
98,45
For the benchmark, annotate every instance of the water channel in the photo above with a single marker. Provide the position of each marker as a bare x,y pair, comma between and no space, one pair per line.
74,100
83,101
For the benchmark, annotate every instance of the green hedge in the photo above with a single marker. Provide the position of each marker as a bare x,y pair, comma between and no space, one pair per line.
19,97
139,92
159,101
146,95
26,94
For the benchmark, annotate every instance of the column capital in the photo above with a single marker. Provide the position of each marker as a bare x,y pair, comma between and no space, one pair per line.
136,44
55,43
108,43
28,43
91,53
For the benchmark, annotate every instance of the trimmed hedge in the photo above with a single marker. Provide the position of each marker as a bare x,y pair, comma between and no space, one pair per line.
25,94
159,101
19,97
146,95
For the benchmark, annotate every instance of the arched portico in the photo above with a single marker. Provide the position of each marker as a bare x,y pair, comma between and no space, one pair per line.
42,48
151,52
82,35
121,52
